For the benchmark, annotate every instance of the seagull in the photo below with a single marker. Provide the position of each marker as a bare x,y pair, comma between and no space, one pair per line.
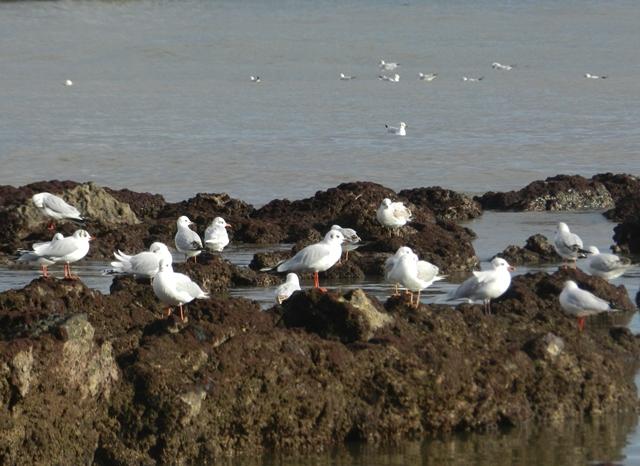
67,249
487,284
175,289
391,79
144,264
187,241
581,303
216,236
400,130
34,257
499,66
254,79
390,272
407,271
286,289
594,76
427,77
56,208
472,80
607,266
345,77
568,245
392,215
316,257
351,240
68,83
388,66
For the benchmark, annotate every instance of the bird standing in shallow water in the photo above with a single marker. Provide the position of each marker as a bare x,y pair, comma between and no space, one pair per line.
607,266
581,303
487,284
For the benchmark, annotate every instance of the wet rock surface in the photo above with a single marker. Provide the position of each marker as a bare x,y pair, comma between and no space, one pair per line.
537,250
446,204
107,379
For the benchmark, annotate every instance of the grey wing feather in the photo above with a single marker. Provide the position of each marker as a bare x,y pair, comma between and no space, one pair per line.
190,287
588,301
468,288
144,263
59,248
59,205
607,262
188,240
303,258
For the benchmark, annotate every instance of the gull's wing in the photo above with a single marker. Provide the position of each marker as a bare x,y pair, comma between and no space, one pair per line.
304,258
188,240
468,288
607,263
400,211
185,284
60,248
585,300
145,263
58,205
427,271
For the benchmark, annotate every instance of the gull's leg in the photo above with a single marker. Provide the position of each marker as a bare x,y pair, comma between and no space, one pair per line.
51,226
43,269
396,292
181,313
168,311
418,299
581,321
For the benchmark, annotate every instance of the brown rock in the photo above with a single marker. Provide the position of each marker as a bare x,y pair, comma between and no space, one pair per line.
537,250
446,204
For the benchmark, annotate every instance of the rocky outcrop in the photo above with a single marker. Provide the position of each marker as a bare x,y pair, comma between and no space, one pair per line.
110,380
559,192
537,250
447,205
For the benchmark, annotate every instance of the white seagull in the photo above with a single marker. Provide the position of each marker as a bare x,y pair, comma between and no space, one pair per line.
56,208
391,79
486,285
316,257
68,83
406,271
388,66
216,237
68,250
254,79
392,215
594,76
428,77
581,303
175,289
390,274
286,289
346,77
568,245
351,240
144,264
33,256
400,130
187,241
472,80
499,66
608,266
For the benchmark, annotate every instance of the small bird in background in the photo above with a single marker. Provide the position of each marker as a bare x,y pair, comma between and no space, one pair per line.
254,79
34,257
400,130
499,66
388,66
594,76
428,77
607,266
351,240
581,303
472,80
68,83
346,77
390,79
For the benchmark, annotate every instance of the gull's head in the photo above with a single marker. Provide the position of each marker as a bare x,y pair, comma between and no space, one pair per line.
396,77
293,279
83,235
563,227
334,236
499,263
336,227
164,265
38,199
220,222
403,251
57,237
184,221
570,285
158,247
403,124
593,250
386,202
382,62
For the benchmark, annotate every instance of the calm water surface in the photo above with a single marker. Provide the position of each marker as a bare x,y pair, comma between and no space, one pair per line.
162,102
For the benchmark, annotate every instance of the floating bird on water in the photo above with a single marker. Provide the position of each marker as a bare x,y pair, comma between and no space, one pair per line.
499,66
175,289
388,66
472,80
286,289
608,266
581,303
216,237
345,77
400,130
254,79
487,284
594,76
68,83
56,208
187,241
391,79
392,215
427,77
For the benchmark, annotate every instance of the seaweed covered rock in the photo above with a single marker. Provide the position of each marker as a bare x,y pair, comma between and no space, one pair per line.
537,250
447,205
561,192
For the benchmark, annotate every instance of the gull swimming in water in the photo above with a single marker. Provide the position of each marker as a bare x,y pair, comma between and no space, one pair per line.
388,66
607,266
400,130
216,237
286,289
581,303
428,77
594,76
351,240
34,257
254,79
487,284
391,79
66,249
187,241
68,83
499,66
392,215
568,245
316,257
175,289
472,80
145,264
56,208
345,77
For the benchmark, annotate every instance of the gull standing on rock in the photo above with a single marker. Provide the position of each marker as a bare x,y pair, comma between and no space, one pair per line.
175,289
144,264
187,241
68,250
400,130
607,266
486,285
390,272
216,237
34,257
316,257
406,271
286,289
56,208
568,245
581,303
351,240
393,215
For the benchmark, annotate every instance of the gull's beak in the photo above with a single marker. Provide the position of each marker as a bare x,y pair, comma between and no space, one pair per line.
91,238
227,225
511,268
